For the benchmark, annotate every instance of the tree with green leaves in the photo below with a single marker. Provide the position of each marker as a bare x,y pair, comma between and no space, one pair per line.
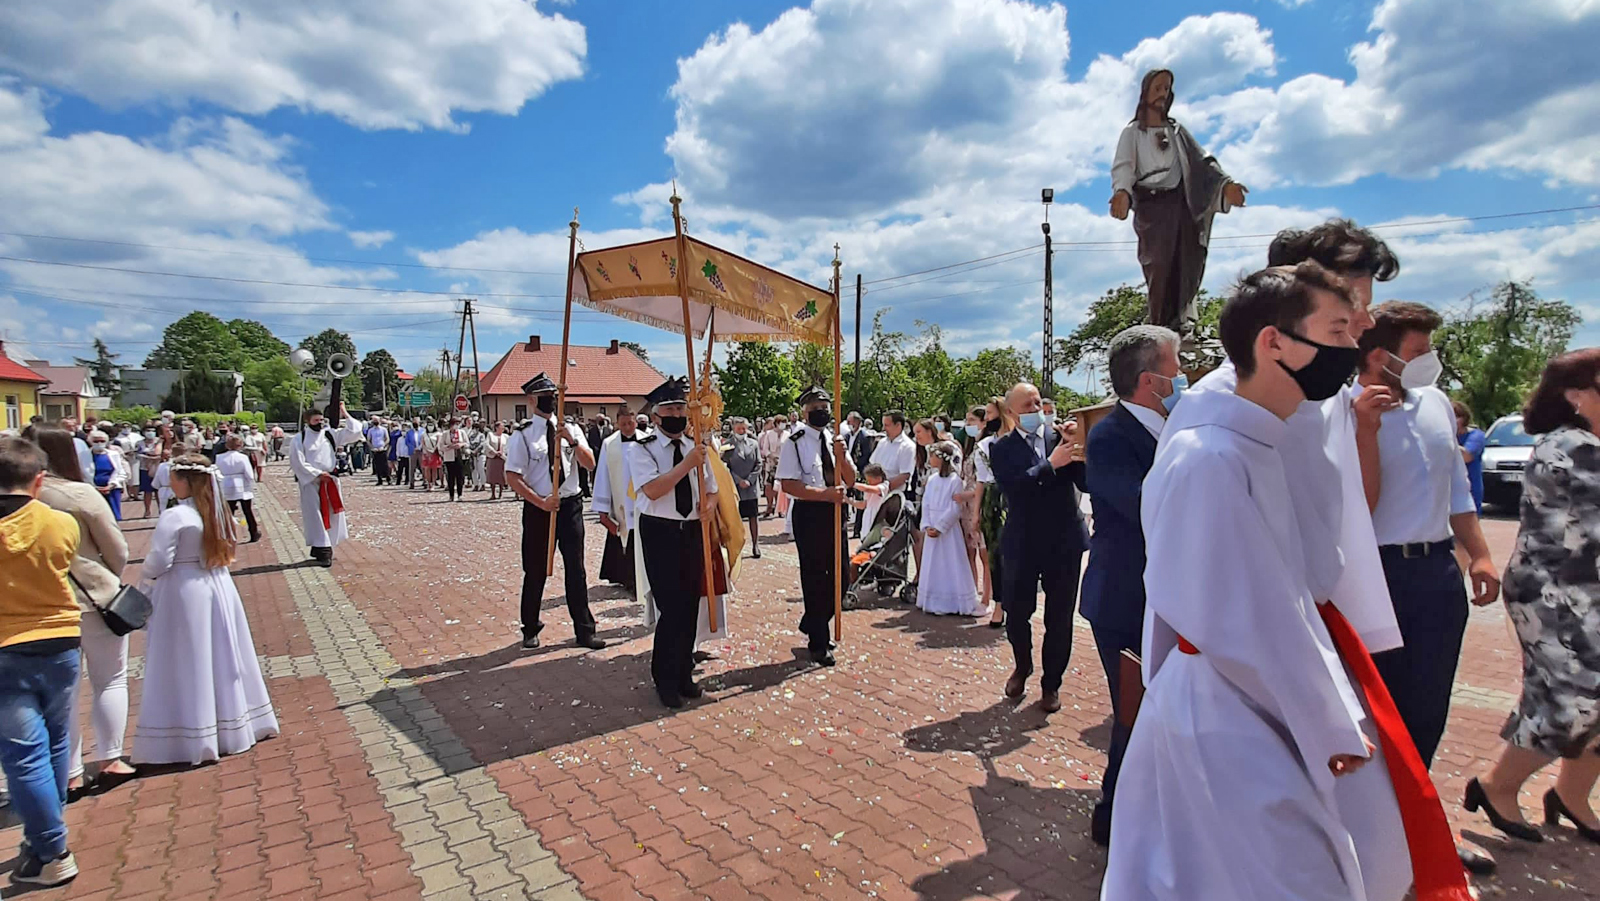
276,389
103,370
201,390
637,348
758,380
989,373
1494,352
378,380
197,341
256,341
1125,306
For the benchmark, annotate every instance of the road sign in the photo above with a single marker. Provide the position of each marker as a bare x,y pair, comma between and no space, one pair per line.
420,398
461,403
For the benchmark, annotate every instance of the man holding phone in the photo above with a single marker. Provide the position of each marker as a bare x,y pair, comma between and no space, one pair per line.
1040,471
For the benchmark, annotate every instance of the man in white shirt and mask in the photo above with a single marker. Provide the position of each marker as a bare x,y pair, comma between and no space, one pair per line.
613,502
314,458
1249,719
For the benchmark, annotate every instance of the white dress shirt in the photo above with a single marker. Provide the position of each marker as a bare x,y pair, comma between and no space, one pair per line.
1424,477
238,476
897,456
1152,421
800,459
528,456
378,438
649,458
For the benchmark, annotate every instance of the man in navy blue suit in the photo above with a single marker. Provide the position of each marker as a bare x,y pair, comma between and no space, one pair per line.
1040,471
1143,364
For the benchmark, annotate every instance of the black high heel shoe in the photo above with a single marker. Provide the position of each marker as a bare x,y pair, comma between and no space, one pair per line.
1476,799
1555,809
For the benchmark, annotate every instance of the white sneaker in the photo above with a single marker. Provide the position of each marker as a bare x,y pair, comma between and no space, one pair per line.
34,871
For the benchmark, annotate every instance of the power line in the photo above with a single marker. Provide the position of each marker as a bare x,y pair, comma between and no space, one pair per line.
933,278
262,281
952,265
276,256
996,289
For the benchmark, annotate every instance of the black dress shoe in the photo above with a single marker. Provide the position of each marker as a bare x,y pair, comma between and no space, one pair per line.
670,699
823,657
700,656
1555,809
531,642
1476,862
691,692
1100,825
1017,683
1476,798
592,642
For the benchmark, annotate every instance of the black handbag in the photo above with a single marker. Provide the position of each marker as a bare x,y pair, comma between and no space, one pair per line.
128,610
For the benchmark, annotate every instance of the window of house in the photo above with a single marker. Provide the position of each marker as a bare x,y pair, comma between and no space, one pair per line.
57,412
522,411
13,412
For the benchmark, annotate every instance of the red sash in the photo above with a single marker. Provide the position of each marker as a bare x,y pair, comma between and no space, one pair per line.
329,500
1436,871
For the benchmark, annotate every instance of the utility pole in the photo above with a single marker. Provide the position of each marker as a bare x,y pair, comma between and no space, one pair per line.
855,376
461,345
444,357
477,374
1047,374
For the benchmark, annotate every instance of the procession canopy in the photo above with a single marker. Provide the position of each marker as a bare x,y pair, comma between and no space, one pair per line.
753,303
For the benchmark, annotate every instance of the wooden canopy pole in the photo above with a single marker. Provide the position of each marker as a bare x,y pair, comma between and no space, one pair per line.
561,397
710,578
838,423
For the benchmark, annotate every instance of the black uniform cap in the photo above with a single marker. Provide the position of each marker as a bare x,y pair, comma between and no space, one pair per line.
539,384
813,394
671,391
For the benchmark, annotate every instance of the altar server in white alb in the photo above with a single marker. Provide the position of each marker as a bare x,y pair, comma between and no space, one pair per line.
613,503
1249,717
313,455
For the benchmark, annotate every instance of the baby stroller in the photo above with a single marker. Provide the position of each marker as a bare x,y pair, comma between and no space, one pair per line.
880,565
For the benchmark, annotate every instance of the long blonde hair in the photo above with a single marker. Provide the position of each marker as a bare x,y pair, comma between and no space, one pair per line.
217,543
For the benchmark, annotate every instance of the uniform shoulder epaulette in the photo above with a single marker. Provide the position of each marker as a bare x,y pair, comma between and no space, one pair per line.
647,439
798,434
523,426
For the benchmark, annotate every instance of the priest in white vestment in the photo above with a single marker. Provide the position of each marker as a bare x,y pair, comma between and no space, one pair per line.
1249,719
614,504
313,457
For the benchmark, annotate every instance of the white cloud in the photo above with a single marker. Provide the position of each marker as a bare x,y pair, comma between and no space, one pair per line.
370,239
1208,53
374,63
1501,88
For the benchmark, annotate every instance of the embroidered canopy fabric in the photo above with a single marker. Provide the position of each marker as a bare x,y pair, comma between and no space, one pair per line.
753,303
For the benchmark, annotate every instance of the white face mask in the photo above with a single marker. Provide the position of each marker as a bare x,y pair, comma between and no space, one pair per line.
1420,372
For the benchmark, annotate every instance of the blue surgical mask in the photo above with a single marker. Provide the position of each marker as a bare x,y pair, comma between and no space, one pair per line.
1030,422
1178,384
974,431
1048,419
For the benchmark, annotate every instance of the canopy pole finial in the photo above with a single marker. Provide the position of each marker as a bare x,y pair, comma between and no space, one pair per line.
574,223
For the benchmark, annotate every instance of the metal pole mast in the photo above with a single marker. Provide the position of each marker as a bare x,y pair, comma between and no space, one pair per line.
855,400
1048,372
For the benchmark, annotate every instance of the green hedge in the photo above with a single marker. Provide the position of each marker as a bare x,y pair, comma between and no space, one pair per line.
138,416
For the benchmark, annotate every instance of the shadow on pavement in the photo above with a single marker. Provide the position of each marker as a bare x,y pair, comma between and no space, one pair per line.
1028,830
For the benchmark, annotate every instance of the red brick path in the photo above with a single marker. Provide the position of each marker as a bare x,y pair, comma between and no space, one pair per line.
899,774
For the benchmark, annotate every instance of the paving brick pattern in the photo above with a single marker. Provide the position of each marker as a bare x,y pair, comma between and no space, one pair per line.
425,755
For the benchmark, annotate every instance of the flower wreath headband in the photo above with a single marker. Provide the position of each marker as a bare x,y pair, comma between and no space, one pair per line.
219,507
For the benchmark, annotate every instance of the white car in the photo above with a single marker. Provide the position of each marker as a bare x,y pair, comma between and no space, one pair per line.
1506,451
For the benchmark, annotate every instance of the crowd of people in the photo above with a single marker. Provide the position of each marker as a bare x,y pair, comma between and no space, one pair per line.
1278,578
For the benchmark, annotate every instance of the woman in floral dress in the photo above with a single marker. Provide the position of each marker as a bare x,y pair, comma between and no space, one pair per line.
1552,594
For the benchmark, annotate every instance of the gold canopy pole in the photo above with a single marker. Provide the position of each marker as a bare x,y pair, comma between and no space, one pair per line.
561,398
710,581
838,423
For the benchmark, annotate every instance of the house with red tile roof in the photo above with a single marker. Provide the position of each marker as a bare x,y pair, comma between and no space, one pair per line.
19,391
71,392
600,379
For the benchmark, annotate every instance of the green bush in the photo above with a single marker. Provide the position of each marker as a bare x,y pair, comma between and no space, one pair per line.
139,415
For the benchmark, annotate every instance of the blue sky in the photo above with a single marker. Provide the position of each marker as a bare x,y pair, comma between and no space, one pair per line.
256,140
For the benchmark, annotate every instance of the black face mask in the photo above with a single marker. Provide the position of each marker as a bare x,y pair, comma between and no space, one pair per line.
991,427
674,425
1327,372
819,418
546,404
315,426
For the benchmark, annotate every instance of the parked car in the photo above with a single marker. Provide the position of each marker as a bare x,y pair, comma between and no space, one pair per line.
1506,451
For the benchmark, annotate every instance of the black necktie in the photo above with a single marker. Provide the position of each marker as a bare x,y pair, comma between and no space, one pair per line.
555,449
827,458
680,491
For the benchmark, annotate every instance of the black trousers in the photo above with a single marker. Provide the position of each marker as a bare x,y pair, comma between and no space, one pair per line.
455,478
813,523
380,466
249,515
1111,643
569,540
402,469
676,568
1058,573
1430,603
